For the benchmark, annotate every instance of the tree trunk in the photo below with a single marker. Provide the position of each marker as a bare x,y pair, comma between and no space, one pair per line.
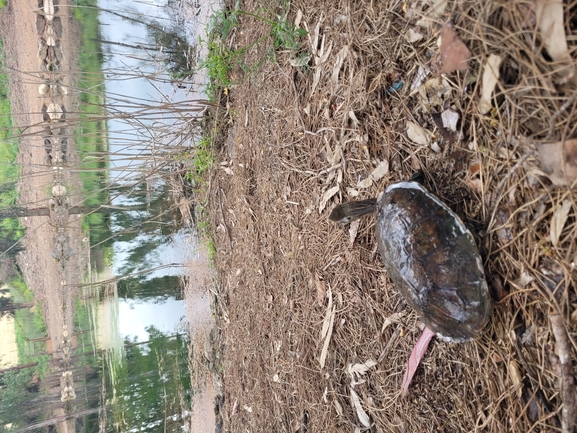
19,212
18,367
11,307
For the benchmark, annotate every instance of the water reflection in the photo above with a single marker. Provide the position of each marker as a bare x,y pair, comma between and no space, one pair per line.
105,259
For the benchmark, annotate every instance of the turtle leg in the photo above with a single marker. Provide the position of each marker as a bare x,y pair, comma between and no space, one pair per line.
415,358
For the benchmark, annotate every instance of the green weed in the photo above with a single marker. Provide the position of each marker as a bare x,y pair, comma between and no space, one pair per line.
221,60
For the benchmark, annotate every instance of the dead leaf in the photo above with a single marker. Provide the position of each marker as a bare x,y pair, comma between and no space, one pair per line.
435,92
329,193
363,417
419,78
450,119
516,377
351,192
298,18
559,161
321,290
552,27
476,184
341,56
327,320
433,13
228,170
338,407
379,171
361,368
393,318
325,349
296,425
365,183
455,55
558,221
327,329
524,279
412,36
475,168
490,80
353,230
417,134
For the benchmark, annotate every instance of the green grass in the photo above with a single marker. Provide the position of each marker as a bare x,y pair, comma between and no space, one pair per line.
219,64
221,60
203,157
3,3
91,134
29,324
10,228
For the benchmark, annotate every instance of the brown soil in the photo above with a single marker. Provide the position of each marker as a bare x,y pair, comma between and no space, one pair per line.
278,255
54,282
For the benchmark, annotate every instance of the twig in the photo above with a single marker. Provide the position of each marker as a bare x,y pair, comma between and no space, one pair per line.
560,111
567,380
310,172
537,391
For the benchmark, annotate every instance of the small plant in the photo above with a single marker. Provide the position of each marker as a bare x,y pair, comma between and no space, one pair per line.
221,60
218,64
203,158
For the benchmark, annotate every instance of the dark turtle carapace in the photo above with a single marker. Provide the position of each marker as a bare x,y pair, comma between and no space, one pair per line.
431,258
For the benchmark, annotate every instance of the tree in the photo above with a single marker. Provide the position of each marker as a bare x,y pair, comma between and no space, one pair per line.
153,383
7,306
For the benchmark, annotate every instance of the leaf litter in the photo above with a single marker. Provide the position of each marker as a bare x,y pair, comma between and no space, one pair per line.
523,152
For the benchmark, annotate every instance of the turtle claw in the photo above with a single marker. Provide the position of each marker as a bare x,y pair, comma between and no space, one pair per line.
415,359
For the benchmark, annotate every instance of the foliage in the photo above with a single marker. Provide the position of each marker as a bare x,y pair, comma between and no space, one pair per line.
203,159
29,324
157,289
13,396
10,228
218,64
178,55
139,233
221,60
91,134
157,369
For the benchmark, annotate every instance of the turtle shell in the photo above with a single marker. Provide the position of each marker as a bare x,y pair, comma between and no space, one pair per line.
433,260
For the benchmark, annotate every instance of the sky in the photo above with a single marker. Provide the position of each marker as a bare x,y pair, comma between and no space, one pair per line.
135,317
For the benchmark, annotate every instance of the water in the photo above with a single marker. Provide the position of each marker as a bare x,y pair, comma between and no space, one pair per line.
149,82
118,356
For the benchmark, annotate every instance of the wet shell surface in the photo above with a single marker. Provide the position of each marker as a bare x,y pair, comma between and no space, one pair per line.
433,260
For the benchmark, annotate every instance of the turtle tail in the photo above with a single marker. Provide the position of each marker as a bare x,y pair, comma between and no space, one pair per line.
353,210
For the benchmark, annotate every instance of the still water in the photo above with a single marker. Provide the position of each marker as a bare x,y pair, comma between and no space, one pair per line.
139,75
118,357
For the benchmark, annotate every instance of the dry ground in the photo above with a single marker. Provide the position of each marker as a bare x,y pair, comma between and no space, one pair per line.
277,255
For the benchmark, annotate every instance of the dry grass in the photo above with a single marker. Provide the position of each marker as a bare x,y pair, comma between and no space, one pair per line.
291,144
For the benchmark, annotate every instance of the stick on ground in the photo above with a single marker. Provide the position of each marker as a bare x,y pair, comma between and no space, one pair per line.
567,380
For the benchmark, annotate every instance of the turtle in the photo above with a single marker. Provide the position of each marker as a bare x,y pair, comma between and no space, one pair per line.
432,259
